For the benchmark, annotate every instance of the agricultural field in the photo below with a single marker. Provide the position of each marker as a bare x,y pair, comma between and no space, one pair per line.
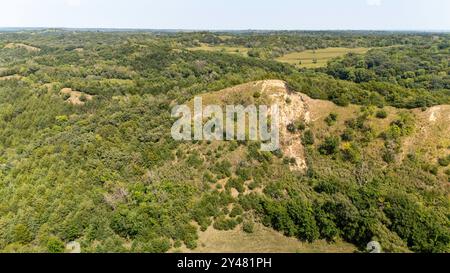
318,58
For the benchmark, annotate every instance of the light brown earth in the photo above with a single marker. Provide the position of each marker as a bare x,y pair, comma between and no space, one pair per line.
11,77
75,96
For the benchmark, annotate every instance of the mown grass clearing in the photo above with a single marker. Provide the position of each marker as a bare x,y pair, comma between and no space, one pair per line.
318,58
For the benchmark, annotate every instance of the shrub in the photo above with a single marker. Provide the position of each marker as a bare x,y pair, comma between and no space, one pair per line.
447,172
300,125
389,156
291,128
248,227
255,153
348,135
208,177
330,146
327,187
21,234
236,183
157,245
382,114
445,161
191,244
83,98
351,153
55,245
331,119
66,96
253,185
308,138
62,119
223,223
223,168
433,169
236,211
194,160
244,173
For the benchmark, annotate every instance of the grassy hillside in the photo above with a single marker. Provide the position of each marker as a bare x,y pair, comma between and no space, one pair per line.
262,240
372,154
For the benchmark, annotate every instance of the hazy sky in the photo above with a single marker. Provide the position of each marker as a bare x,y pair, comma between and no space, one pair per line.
228,14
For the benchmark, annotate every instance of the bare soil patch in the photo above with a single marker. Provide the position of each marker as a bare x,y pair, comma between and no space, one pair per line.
75,97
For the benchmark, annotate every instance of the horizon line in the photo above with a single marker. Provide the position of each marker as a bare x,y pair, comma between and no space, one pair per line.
223,30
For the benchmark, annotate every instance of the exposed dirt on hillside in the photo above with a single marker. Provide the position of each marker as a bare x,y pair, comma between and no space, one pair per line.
73,248
292,109
11,77
76,97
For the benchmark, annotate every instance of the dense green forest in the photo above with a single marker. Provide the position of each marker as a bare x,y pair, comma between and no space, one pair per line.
105,171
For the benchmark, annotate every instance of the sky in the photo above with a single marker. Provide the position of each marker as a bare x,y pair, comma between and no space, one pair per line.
229,14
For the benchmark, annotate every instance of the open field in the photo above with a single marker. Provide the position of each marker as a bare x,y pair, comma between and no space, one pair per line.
263,240
318,58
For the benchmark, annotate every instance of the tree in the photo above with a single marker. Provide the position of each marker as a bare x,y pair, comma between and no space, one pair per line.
21,234
55,245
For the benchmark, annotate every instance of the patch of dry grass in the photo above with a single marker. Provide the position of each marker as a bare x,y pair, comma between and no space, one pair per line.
318,58
263,240
24,46
75,97
11,77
